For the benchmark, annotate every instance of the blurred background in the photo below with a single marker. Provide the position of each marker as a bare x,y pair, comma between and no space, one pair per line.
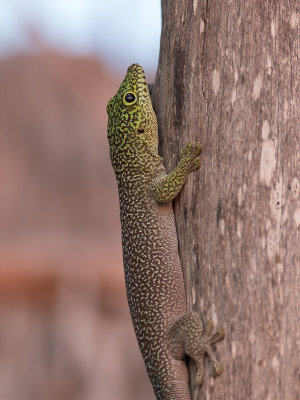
65,329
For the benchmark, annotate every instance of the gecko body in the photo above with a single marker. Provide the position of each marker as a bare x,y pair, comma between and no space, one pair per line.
165,330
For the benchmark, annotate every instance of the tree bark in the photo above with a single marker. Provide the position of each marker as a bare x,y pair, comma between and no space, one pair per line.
228,76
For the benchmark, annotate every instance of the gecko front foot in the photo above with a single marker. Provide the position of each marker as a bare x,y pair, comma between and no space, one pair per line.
189,155
188,336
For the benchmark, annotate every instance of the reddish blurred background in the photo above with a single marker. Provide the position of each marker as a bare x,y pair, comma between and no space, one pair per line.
65,329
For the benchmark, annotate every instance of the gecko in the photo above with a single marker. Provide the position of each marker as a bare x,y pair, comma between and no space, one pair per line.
167,333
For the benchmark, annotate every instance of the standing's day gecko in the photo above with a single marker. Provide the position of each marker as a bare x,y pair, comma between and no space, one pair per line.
165,330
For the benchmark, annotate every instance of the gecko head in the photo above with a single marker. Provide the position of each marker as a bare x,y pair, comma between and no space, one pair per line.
132,124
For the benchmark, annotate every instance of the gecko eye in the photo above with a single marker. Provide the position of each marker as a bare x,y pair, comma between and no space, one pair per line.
129,98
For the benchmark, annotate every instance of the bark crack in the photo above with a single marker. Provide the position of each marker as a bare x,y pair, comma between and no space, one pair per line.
202,62
291,68
277,144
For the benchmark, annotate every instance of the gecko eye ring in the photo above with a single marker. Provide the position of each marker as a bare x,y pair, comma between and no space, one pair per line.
129,98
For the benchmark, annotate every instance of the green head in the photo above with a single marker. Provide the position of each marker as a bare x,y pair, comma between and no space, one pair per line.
132,125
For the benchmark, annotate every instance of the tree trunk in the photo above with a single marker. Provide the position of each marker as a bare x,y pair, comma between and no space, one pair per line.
228,76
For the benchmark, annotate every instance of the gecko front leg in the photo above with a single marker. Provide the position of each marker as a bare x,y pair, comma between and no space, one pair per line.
167,188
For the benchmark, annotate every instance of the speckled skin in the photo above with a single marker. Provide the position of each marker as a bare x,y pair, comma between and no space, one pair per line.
165,331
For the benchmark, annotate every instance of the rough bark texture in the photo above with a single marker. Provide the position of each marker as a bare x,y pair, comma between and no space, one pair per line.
228,76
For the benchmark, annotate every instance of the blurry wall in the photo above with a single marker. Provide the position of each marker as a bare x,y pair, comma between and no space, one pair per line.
65,330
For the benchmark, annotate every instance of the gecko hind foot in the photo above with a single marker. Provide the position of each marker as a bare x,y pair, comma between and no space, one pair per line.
187,335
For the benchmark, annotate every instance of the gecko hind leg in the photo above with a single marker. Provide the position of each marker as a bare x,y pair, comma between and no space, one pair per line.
188,336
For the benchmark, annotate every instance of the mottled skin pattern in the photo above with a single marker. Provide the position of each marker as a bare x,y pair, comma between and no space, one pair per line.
165,331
